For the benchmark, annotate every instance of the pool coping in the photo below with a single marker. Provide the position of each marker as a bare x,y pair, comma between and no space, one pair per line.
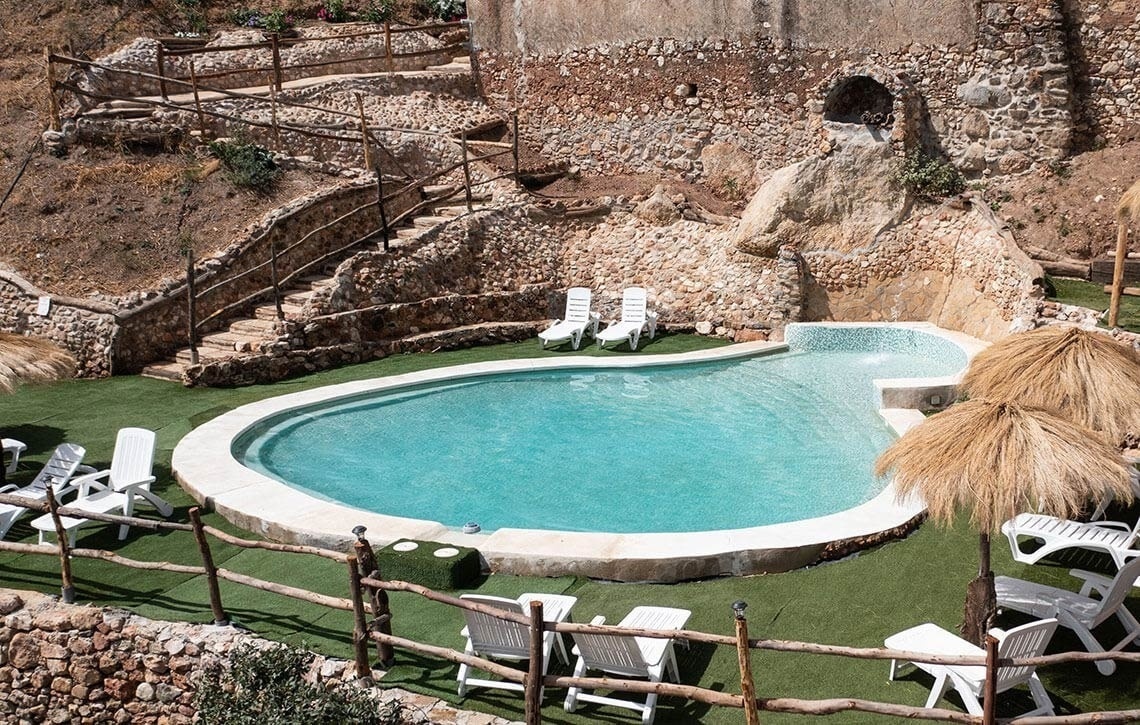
204,466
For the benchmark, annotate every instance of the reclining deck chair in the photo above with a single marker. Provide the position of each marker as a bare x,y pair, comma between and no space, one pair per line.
11,447
1079,612
629,657
1028,640
1115,538
578,320
118,487
493,638
57,472
634,318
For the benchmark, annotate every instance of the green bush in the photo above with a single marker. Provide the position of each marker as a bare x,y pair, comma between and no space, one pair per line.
928,177
333,11
267,686
246,164
446,9
379,11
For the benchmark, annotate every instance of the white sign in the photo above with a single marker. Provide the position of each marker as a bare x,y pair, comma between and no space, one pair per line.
43,306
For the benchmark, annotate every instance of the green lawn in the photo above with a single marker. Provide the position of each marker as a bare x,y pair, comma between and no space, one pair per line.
858,601
1089,294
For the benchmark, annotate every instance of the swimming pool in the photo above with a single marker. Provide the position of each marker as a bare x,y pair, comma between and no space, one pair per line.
719,465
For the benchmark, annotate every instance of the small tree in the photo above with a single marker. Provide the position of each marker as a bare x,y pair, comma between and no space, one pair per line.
928,177
266,685
246,164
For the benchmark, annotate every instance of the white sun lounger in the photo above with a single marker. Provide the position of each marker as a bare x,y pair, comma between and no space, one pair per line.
1028,640
629,657
635,317
1079,612
118,488
494,638
57,472
1115,538
578,320
12,447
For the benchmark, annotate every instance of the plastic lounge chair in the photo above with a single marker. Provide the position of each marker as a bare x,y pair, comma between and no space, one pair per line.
57,472
578,320
117,488
1079,612
629,657
12,447
1115,538
634,318
1028,640
494,638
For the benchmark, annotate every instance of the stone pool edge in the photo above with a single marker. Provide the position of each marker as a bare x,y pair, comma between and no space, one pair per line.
205,468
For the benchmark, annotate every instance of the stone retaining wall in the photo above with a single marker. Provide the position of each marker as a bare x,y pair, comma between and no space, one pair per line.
1105,44
63,663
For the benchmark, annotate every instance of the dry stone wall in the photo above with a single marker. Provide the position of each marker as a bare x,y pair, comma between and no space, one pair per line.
1105,44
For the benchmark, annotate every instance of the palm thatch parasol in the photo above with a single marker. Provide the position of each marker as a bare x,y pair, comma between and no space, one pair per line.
1084,376
1127,211
31,360
995,460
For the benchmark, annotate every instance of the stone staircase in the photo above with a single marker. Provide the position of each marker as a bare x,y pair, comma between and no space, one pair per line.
250,335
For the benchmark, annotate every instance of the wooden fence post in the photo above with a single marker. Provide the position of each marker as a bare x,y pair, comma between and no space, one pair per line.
273,276
274,41
466,171
161,59
197,99
515,143
359,624
535,669
273,118
744,659
388,47
989,692
68,586
381,611
380,205
219,612
364,132
192,317
53,102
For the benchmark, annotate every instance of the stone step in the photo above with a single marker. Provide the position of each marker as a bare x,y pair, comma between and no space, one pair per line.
205,354
459,210
451,67
316,281
228,341
427,222
269,312
409,233
164,370
296,297
255,327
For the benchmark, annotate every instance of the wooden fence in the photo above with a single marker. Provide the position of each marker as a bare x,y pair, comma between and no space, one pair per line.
368,596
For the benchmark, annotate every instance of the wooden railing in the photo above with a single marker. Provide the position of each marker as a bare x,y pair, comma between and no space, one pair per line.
368,596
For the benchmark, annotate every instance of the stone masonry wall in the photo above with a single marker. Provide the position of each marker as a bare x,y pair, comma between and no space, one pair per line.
1105,43
63,663
998,102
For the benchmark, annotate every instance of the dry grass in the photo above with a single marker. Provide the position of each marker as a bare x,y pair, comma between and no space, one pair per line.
1084,376
1129,206
31,360
149,176
996,460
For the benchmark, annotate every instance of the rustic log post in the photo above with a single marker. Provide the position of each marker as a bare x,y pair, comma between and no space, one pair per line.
359,624
989,691
53,102
216,608
466,171
273,118
192,317
161,60
197,98
273,276
274,41
515,143
388,47
380,206
744,659
381,611
1118,267
364,132
68,585
535,668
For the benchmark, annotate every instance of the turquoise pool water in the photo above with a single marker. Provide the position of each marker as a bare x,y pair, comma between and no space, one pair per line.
681,448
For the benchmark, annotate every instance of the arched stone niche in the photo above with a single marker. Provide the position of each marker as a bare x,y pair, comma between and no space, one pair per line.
870,100
859,99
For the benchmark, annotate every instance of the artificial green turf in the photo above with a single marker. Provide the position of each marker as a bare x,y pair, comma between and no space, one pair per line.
1091,295
858,601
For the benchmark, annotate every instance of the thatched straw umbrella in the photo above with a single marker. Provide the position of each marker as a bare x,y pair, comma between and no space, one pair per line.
1127,211
992,461
30,360
1082,375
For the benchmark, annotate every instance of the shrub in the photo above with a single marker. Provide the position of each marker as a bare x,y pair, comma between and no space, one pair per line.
267,686
277,21
928,177
446,9
379,11
333,11
246,164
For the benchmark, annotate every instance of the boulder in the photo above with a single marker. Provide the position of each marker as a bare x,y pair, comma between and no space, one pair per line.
728,169
658,208
839,202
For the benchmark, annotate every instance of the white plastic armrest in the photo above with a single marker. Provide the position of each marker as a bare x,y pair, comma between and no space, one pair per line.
9,487
1094,582
86,482
1119,525
142,482
600,619
998,633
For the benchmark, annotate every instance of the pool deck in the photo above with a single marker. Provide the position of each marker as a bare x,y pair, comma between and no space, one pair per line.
204,465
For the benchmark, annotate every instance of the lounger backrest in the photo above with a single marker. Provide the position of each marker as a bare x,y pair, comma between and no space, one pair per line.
619,655
1118,592
492,636
633,304
133,459
1028,640
60,467
578,304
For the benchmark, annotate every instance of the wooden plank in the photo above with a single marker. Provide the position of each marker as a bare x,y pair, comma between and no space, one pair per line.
1101,270
1129,291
